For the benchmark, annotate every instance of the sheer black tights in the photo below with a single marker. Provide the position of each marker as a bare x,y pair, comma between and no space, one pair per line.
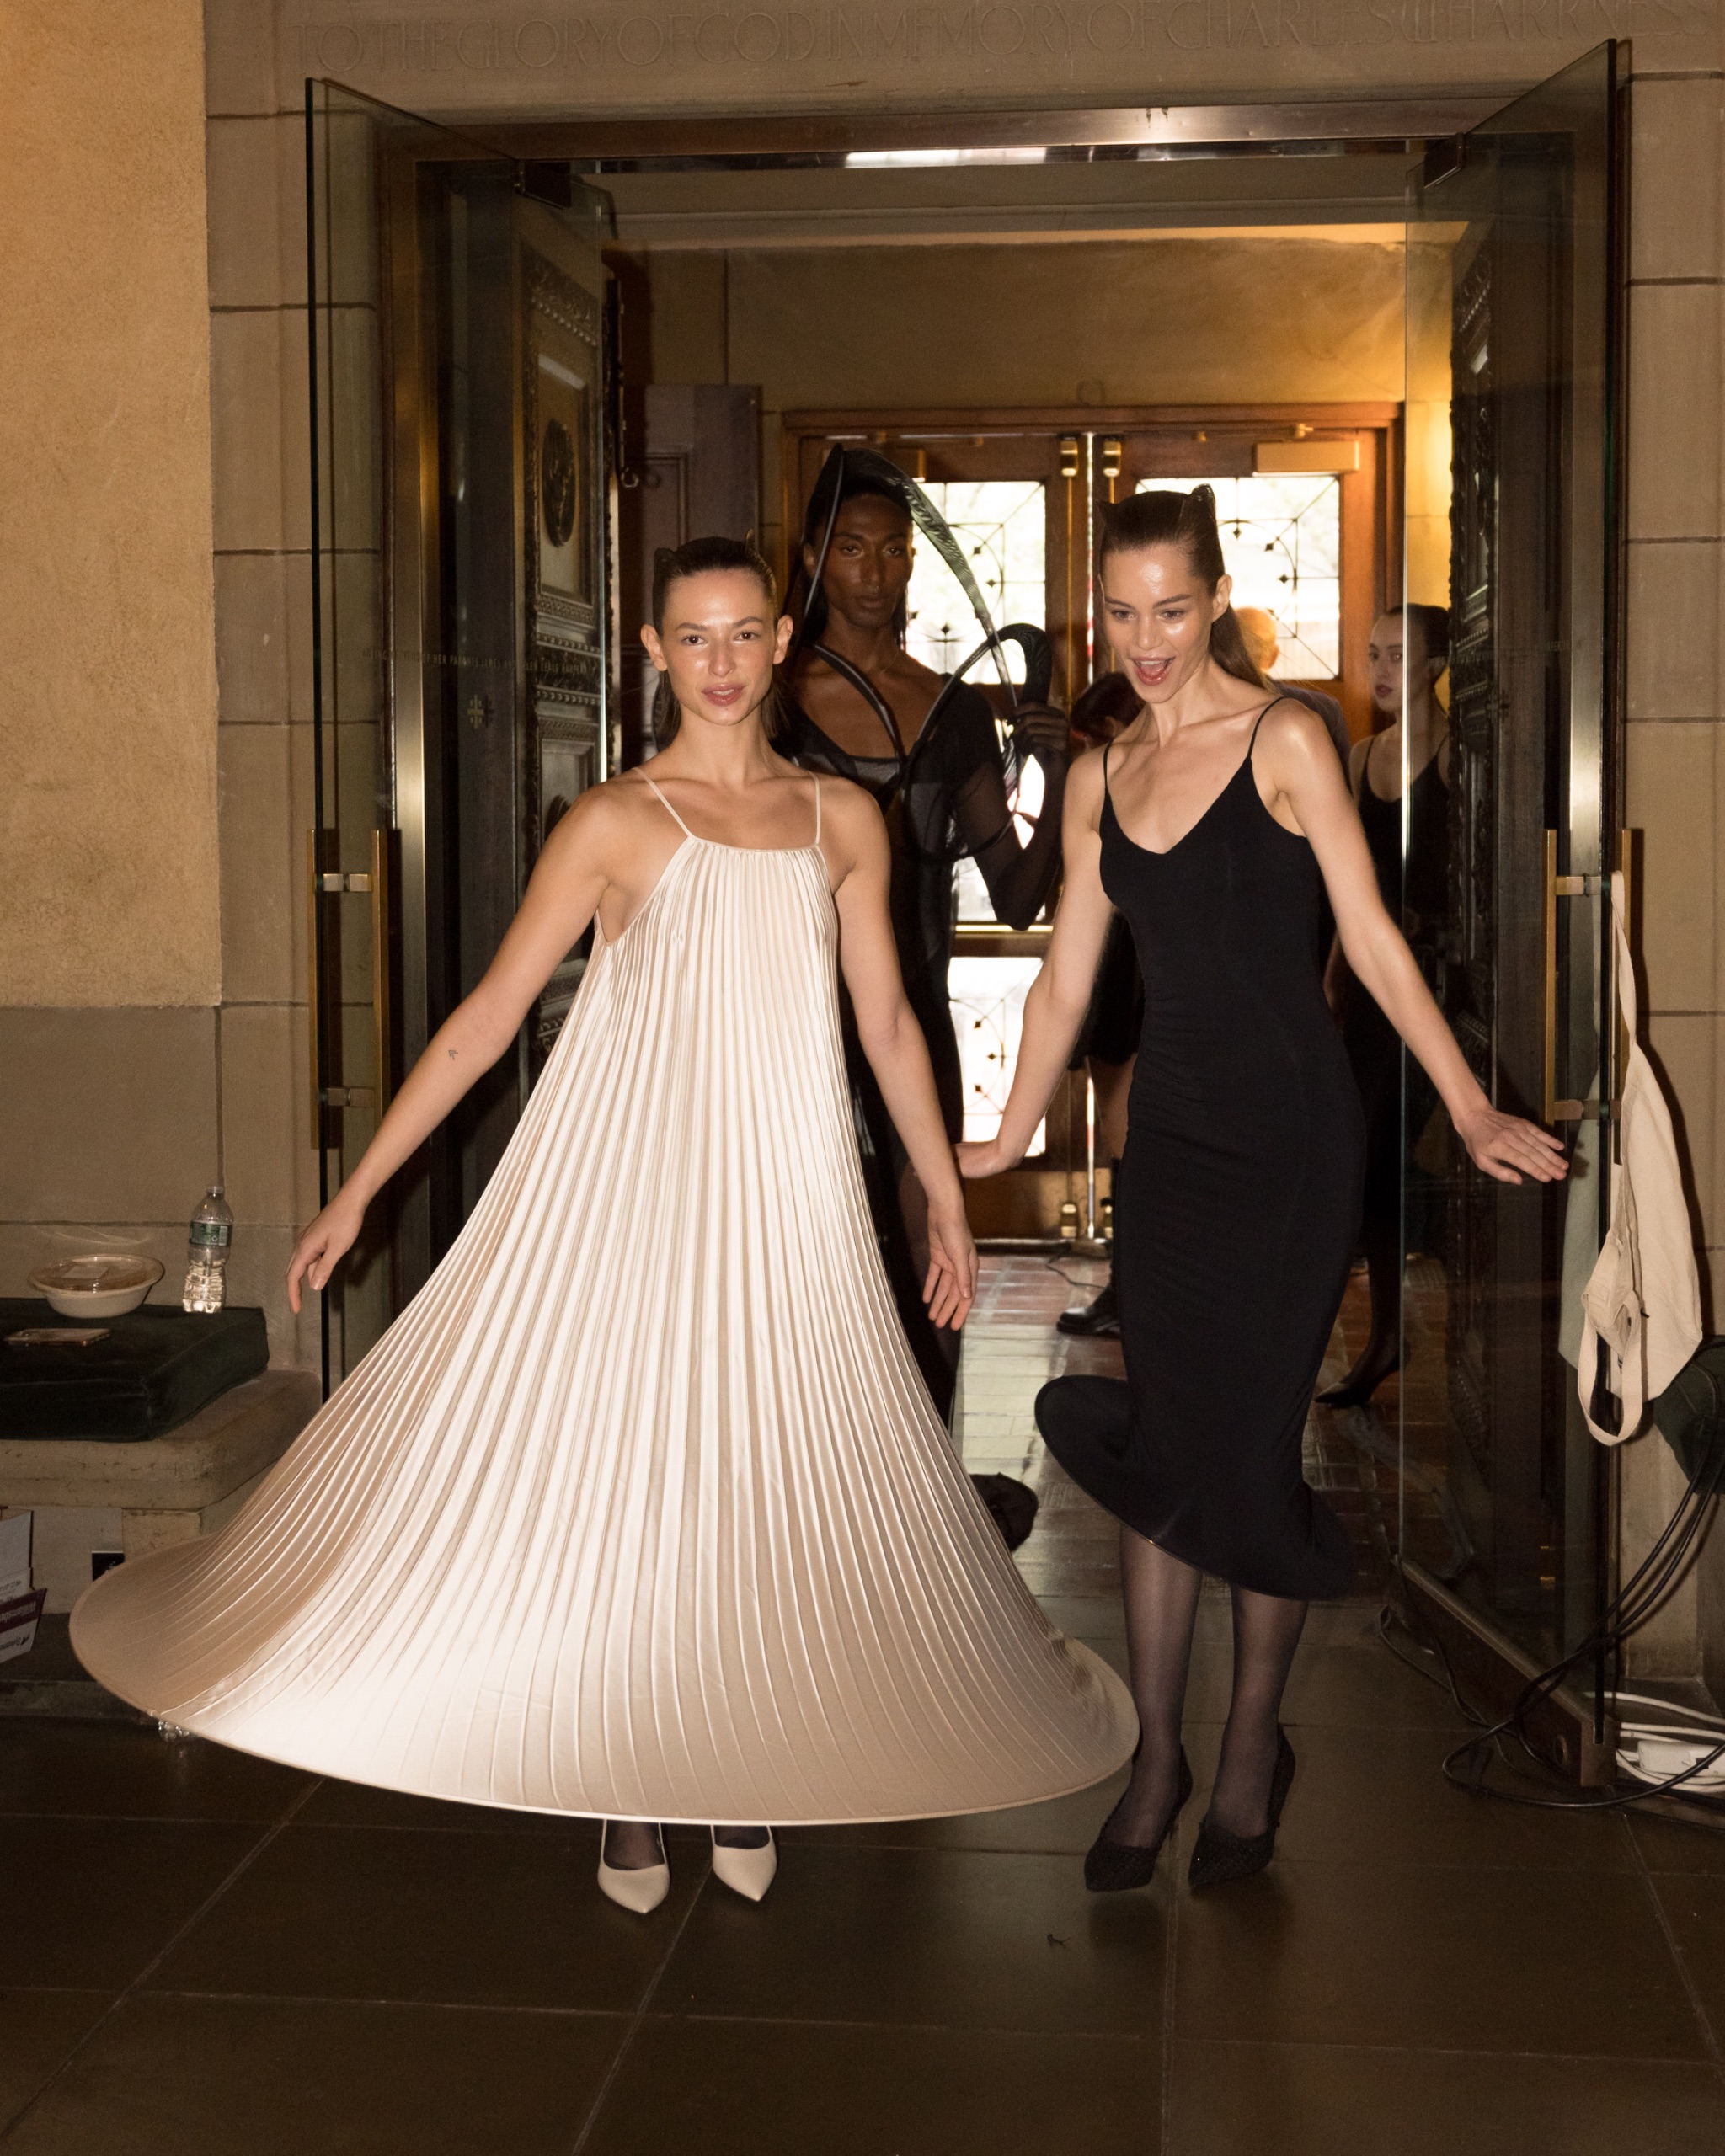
1266,1632
636,1844
1161,1595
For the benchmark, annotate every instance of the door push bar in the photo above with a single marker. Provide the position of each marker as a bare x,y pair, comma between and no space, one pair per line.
377,884
1556,888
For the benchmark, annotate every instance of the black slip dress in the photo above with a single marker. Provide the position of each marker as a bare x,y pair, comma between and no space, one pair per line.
1238,1210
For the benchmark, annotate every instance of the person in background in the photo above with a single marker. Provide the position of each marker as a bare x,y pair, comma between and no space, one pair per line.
1409,650
1263,640
1109,1041
854,702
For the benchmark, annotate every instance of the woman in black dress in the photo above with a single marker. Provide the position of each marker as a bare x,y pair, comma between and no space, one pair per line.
854,702
1216,823
1409,650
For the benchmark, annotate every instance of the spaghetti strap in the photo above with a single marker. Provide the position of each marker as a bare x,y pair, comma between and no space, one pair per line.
1260,719
1106,746
666,806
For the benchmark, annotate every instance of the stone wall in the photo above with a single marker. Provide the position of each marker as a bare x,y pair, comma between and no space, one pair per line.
110,935
1675,747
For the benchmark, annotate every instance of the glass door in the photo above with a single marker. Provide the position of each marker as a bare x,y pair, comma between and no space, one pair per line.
463,645
1506,784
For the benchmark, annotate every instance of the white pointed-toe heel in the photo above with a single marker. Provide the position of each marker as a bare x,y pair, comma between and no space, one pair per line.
642,1888
747,1872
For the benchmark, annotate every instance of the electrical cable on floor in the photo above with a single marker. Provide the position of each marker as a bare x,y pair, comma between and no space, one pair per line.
1634,1602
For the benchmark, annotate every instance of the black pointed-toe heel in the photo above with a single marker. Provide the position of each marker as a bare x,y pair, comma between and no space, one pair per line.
1113,1867
1219,1857
1363,1380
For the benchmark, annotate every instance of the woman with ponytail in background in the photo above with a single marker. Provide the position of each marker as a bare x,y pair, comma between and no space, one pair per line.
1216,822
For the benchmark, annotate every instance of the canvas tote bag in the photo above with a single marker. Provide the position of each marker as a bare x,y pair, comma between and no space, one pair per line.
1643,1297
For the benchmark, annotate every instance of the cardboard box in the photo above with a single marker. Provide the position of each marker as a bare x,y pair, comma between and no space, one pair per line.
18,1619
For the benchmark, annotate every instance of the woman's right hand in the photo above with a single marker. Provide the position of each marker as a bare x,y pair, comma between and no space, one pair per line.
323,1245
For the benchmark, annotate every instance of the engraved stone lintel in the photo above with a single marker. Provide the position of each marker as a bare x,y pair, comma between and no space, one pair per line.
798,56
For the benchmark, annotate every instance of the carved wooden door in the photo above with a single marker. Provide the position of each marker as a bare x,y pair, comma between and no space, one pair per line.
460,393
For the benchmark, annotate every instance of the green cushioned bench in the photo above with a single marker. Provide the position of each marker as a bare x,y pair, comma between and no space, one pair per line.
156,1367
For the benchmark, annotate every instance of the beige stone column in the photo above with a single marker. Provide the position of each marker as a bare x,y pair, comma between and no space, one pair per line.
110,951
1674,758
260,462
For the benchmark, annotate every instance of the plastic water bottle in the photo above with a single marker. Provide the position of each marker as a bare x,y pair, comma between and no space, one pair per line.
207,1253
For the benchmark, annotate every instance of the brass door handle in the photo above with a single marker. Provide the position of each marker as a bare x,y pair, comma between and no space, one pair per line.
378,885
382,914
1555,887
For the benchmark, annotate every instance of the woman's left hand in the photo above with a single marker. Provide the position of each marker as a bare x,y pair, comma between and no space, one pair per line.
1510,1148
950,1288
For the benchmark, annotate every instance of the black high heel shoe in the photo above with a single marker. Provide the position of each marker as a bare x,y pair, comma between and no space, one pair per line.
1113,1867
1363,1380
1219,1857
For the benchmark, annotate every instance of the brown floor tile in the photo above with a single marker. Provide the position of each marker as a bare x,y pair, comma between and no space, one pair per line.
463,1919
946,1939
1291,2100
1067,1826
1086,1616
197,2077
769,2089
40,2028
1674,1845
1695,1908
1441,1958
1364,1686
87,1902
1379,1797
84,1768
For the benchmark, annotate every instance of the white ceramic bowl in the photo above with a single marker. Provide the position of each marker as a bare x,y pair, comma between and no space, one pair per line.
97,1287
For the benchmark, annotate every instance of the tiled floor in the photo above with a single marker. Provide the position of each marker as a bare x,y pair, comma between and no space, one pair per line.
209,1956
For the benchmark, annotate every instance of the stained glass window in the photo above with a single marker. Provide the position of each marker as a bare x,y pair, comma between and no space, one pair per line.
988,1016
1282,539
1002,525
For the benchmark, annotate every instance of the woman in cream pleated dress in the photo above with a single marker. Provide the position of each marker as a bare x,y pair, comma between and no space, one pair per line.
640,1509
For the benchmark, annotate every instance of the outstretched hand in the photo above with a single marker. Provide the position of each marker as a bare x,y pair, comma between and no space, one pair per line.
950,1288
323,1247
1510,1148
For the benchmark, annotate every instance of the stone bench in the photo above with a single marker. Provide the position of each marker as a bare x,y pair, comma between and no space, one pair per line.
88,1495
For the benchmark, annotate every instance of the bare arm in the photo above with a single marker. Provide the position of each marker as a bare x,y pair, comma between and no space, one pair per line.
561,900
1295,754
892,1040
1060,995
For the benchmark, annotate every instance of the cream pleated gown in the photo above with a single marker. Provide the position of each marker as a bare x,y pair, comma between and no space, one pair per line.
640,1508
